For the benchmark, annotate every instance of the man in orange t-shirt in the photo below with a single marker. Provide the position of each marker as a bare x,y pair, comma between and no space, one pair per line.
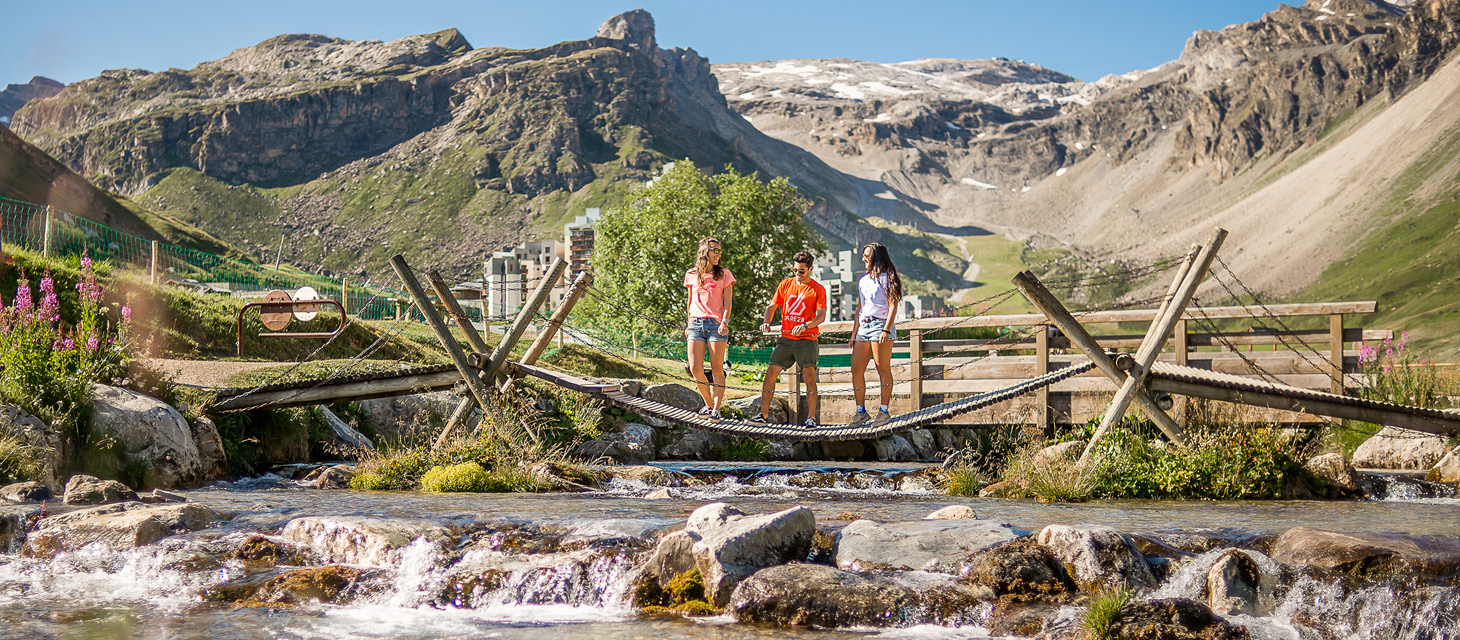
803,306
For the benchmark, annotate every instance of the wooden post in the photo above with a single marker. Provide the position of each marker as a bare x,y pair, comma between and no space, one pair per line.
553,325
915,361
46,236
1045,301
1041,367
2,236
345,295
448,341
524,317
1335,346
797,408
463,408
1183,357
1171,311
152,268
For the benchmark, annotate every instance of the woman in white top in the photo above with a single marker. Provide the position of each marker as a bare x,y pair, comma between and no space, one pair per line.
878,293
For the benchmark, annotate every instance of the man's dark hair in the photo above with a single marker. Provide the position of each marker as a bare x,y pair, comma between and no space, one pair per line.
804,257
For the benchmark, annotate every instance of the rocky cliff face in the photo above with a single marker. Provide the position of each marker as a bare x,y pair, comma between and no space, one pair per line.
14,96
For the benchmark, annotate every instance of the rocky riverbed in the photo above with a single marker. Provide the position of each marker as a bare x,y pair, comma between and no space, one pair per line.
689,553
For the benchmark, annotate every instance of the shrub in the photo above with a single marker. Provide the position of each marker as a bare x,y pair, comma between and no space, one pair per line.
743,449
18,461
464,477
369,481
1220,463
962,480
1050,479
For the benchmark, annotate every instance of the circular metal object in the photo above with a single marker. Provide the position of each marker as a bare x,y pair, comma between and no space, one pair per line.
306,312
276,316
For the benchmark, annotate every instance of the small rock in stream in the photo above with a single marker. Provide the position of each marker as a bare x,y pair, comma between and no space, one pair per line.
810,594
26,492
84,489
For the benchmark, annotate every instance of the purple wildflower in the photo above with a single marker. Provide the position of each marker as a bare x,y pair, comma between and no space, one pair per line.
91,343
126,313
67,344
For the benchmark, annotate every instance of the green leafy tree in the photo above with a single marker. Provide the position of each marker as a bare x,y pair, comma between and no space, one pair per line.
644,247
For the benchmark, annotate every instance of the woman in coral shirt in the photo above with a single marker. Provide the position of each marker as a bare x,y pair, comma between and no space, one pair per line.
709,287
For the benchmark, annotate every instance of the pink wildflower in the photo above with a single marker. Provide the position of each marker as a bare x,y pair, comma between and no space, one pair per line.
126,313
91,343
1389,353
67,344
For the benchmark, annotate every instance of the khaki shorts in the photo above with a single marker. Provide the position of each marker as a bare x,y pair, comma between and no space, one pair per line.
788,351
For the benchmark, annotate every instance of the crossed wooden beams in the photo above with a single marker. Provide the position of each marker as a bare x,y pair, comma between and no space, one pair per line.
482,369
1130,373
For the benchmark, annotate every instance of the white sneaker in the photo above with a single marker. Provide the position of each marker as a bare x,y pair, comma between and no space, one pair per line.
714,414
810,423
881,419
859,419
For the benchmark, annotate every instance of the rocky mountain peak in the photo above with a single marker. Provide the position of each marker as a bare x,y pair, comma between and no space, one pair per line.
14,96
635,27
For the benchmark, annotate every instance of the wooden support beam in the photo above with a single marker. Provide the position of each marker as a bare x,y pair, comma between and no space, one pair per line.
1181,291
478,344
152,266
1055,312
1441,426
1335,350
1041,367
448,341
325,393
915,357
554,324
519,326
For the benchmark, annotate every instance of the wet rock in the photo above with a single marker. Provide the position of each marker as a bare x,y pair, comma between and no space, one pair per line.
682,443
268,552
26,492
732,547
1387,486
1336,472
601,530
894,448
115,527
1233,583
711,516
151,432
30,430
662,493
14,521
1098,557
84,489
335,477
1396,448
776,449
952,512
780,412
1367,554
1021,570
673,556
1172,619
565,476
652,476
329,585
843,449
212,460
1447,470
635,443
915,482
159,496
573,577
812,594
360,540
926,545
674,395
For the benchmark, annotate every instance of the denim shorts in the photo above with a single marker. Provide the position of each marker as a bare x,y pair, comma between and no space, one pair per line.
705,330
869,329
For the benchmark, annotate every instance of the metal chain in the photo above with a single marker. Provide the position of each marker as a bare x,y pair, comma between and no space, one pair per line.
1321,366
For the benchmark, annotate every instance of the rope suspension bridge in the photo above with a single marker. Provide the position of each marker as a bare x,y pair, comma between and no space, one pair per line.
1139,378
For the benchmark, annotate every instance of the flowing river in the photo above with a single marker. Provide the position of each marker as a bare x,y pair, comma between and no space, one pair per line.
155,591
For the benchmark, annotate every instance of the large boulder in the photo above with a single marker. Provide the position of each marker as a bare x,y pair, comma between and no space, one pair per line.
361,540
1098,557
674,395
26,492
211,456
1233,582
927,545
1336,473
1021,570
115,527
894,448
674,555
634,443
682,443
1447,470
1174,618
780,412
813,594
1366,553
398,417
151,432
732,547
923,443
84,489
1396,448
30,430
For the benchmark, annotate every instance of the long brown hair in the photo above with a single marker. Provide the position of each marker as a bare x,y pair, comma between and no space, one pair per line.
881,263
702,259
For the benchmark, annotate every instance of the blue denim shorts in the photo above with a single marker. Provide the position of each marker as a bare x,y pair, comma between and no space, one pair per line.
869,329
705,330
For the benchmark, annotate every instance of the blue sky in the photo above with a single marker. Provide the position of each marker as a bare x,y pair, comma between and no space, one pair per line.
71,41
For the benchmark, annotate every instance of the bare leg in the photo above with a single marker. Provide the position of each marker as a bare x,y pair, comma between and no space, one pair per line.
697,369
717,372
861,354
768,389
884,369
808,375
